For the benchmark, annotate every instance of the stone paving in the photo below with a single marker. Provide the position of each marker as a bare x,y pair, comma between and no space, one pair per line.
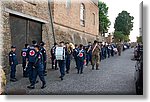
116,76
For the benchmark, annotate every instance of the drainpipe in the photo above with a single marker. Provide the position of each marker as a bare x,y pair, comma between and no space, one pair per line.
51,20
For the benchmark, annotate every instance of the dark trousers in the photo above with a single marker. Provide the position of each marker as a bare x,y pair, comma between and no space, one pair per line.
30,71
80,65
75,58
39,73
61,64
88,58
112,52
68,60
108,53
44,64
25,74
54,63
13,71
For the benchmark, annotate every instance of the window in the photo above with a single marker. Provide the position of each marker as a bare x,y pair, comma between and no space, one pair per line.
68,4
82,15
93,19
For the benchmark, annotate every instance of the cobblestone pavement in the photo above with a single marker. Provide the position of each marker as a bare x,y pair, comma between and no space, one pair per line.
116,76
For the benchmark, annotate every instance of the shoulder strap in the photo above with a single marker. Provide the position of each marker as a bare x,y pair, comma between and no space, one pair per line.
94,47
80,52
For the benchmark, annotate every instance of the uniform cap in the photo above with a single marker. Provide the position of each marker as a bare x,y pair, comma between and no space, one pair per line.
42,43
13,46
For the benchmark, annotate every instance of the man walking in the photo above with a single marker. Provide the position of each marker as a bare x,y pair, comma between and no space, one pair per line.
38,69
13,62
43,51
53,57
24,60
60,57
95,55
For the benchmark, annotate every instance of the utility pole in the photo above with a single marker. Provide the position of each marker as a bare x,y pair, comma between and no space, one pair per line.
51,20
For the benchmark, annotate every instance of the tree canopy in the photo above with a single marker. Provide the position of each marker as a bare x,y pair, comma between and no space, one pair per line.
104,22
124,23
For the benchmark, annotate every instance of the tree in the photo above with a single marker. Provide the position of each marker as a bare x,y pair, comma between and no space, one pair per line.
124,23
118,36
139,39
104,22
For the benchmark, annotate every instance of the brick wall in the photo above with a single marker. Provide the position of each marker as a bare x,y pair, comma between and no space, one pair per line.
70,17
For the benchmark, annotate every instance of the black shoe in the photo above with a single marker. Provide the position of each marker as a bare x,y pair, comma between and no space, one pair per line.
16,79
62,78
43,86
36,82
45,74
56,68
92,68
81,73
13,80
67,72
25,76
97,68
31,87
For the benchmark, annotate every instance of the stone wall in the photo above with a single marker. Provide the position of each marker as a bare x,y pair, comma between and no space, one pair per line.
67,34
38,9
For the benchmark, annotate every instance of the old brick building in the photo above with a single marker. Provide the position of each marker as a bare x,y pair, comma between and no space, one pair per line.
25,20
77,20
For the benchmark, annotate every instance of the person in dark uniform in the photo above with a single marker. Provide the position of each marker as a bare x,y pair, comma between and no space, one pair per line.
31,60
68,57
75,52
61,63
38,69
88,53
108,50
13,62
53,57
43,51
24,60
81,59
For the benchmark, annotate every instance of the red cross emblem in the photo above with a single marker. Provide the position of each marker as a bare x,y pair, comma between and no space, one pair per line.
32,53
24,54
81,54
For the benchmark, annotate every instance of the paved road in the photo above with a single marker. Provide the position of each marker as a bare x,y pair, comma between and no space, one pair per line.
116,76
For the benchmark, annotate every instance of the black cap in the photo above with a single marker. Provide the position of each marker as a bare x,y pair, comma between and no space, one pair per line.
61,42
42,43
55,43
34,42
26,45
95,41
13,46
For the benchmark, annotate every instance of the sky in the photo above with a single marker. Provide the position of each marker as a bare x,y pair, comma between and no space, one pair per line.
131,6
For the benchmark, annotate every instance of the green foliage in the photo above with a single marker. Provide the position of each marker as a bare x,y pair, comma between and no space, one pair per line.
104,22
139,39
119,36
124,23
